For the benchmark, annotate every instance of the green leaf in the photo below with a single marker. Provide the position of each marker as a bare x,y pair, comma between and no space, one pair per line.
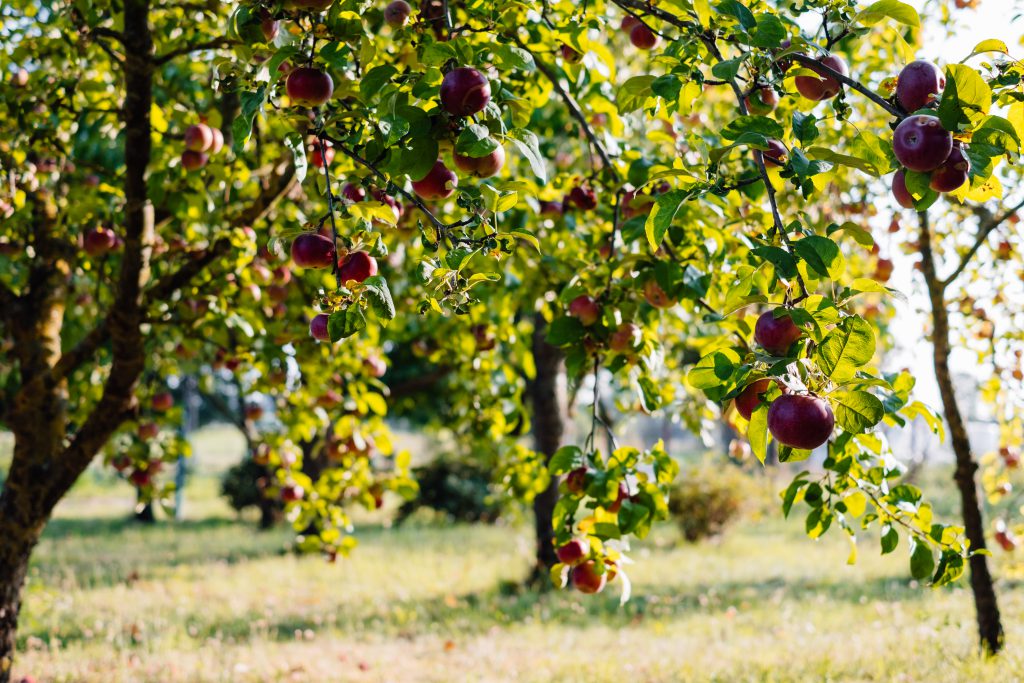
757,432
847,347
827,154
770,31
784,262
394,129
374,80
343,324
857,411
380,297
921,561
727,69
565,330
667,87
965,100
821,255
805,127
666,206
475,141
512,57
566,459
890,539
762,125
891,9
738,10
714,369
251,104
634,92
529,146
417,159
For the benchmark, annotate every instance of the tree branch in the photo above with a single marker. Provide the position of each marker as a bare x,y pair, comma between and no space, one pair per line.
984,231
820,68
214,44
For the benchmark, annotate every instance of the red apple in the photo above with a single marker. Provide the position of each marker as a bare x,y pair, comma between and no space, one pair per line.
253,411
918,85
825,87
162,402
900,191
642,37
352,192
268,25
375,366
310,250
465,91
573,551
625,338
628,23
621,495
357,265
397,13
193,161
198,137
585,309
576,480
953,172
762,101
148,430
776,335
481,167
317,159
800,421
587,579
920,143
439,183
98,241
318,327
218,141
309,87
570,55
883,270
776,154
141,478
750,398
655,295
291,493
582,197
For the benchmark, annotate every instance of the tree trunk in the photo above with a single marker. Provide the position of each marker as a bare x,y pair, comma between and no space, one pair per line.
548,427
990,628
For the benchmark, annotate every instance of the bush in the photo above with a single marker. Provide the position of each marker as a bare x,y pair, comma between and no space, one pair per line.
706,499
461,491
240,485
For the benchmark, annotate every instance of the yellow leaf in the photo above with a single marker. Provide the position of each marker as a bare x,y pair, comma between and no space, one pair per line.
157,120
856,503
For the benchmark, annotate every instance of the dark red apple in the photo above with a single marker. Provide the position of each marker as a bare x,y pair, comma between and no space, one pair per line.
762,101
465,91
825,87
141,478
585,309
587,578
551,208
900,191
576,480
481,167
310,250
918,85
162,402
397,13
193,161
357,265
626,337
582,197
750,398
483,337
98,241
920,143
642,37
883,269
198,137
573,551
628,23
253,411
291,493
800,421
570,55
353,192
776,335
439,183
218,141
953,172
268,25
386,199
318,327
776,154
309,87
148,430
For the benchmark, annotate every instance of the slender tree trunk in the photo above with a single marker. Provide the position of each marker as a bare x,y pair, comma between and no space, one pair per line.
990,627
548,427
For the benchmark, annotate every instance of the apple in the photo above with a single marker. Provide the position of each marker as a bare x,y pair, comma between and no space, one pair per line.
585,309
576,480
198,137
98,241
1010,456
384,198
824,87
465,91
481,167
439,183
317,158
587,579
268,25
357,266
291,493
626,337
192,160
483,338
900,191
148,430
253,411
397,13
19,79
570,55
952,173
141,478
318,327
309,87
642,37
582,197
750,398
920,143
655,295
918,85
218,141
551,208
800,421
310,250
353,193
573,551
776,154
162,402
883,269
629,22
762,101
1005,540
375,366
776,335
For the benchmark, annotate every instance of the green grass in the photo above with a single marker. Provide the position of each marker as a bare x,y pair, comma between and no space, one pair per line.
211,599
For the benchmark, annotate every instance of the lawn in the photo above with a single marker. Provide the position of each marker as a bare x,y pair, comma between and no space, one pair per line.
211,599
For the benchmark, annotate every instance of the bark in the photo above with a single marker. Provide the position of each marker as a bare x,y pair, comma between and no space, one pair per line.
548,428
990,628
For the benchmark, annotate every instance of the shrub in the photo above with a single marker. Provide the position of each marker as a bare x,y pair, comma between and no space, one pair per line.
240,485
707,498
461,491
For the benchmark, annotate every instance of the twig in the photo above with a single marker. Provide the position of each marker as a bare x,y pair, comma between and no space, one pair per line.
193,47
983,232
824,70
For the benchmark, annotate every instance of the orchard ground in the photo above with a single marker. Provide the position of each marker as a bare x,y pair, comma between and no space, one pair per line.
211,599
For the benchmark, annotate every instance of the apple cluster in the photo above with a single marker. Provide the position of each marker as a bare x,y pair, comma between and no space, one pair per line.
201,140
590,571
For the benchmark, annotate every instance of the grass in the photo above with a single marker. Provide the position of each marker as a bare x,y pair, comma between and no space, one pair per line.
211,599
